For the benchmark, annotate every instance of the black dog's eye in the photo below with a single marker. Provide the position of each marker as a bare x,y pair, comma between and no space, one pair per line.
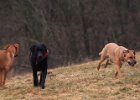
41,50
33,48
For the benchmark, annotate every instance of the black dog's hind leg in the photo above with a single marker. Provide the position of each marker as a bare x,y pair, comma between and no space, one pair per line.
35,77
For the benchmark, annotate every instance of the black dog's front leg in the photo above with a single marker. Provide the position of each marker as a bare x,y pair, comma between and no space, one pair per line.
35,77
40,78
43,78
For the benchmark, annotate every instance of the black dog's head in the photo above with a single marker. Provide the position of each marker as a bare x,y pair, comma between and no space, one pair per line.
39,51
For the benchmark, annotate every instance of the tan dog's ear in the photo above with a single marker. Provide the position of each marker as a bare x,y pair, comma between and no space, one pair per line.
133,52
125,52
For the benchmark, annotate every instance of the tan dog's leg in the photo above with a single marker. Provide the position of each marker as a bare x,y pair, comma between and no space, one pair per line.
101,61
118,71
103,58
106,63
116,74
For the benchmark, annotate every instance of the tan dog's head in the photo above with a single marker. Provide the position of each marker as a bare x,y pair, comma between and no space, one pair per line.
14,48
129,57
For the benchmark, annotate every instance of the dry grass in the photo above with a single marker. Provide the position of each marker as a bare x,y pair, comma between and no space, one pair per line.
77,82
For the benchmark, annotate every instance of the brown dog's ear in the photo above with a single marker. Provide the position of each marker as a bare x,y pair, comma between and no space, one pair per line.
125,52
16,45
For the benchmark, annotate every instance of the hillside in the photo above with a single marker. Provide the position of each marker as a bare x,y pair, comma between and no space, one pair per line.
77,82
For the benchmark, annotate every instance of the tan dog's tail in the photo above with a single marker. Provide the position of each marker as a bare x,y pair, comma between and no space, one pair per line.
103,51
100,53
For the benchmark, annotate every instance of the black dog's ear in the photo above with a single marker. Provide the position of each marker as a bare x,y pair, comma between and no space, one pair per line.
44,47
32,49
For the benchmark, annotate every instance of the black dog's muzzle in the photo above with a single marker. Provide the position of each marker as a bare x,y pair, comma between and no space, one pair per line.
39,57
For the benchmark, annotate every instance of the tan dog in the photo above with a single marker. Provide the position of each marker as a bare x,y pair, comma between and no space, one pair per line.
117,54
6,60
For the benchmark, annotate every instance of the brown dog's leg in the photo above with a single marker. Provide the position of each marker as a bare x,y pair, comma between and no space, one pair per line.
0,78
106,63
3,76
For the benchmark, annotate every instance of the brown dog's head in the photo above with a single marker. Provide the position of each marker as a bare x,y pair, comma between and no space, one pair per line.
13,48
16,45
129,57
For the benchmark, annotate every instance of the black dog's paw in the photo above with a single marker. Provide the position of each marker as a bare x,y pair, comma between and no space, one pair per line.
43,87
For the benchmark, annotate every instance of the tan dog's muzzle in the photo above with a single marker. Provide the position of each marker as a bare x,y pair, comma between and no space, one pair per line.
132,62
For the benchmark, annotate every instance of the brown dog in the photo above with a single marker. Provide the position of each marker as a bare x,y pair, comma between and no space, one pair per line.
117,54
6,60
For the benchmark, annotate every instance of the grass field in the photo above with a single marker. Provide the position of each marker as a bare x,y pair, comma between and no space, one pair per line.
77,82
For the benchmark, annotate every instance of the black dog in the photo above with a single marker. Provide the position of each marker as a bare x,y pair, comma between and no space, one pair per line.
38,58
